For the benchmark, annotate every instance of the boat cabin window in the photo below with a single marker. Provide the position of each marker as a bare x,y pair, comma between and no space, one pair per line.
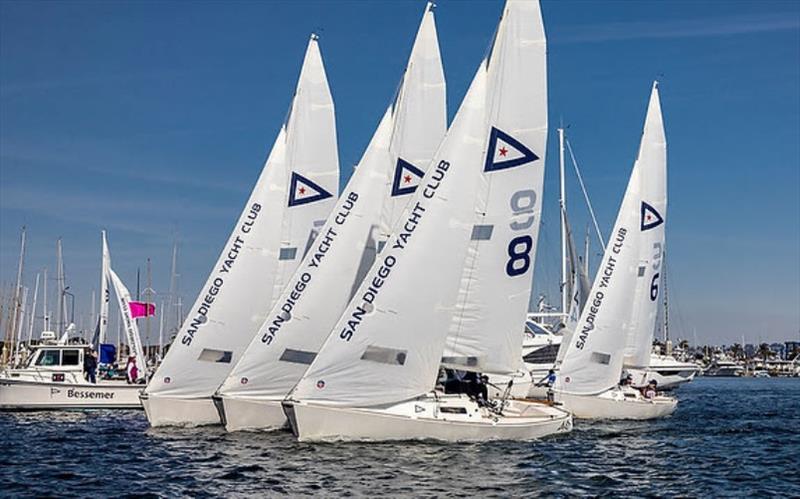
49,358
453,410
70,357
545,355
534,328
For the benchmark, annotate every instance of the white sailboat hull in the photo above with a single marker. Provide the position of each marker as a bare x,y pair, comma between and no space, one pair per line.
424,419
32,395
617,404
250,414
173,411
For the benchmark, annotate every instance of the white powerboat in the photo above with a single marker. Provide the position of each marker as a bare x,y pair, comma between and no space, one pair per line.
53,378
724,368
666,370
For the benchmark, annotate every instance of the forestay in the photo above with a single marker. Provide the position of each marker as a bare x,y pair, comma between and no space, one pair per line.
295,191
382,183
388,345
496,278
594,357
129,324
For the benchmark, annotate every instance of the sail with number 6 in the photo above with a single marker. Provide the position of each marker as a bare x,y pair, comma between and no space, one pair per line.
617,324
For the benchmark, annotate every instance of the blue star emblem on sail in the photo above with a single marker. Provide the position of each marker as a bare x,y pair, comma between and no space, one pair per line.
650,217
504,151
303,191
406,178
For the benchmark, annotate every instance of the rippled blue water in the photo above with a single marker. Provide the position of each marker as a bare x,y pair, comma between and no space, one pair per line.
731,437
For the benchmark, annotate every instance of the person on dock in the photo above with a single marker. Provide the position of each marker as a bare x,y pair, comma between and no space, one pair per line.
90,366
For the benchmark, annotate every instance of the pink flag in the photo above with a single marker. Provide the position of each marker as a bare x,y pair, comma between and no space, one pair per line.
141,309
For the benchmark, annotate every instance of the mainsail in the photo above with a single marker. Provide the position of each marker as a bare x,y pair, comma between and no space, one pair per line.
641,324
381,185
577,286
623,300
129,323
496,279
294,194
388,345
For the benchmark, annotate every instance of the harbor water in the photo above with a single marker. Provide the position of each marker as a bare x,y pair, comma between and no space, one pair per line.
729,436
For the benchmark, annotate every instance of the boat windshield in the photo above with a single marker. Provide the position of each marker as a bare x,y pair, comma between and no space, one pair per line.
49,358
534,328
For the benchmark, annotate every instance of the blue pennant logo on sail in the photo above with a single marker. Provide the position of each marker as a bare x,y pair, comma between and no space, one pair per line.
505,151
304,191
650,217
406,178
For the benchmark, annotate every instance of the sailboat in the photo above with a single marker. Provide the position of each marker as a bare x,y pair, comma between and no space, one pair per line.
617,324
53,376
291,199
357,229
459,261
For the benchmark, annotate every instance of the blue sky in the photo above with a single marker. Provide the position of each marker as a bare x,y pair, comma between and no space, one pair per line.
152,119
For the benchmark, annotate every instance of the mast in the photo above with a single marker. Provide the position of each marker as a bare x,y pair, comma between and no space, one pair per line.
93,317
586,250
105,266
33,310
62,296
148,292
161,333
45,312
18,332
562,203
16,319
666,303
173,302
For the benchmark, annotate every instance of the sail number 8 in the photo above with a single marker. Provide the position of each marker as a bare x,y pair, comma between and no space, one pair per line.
519,248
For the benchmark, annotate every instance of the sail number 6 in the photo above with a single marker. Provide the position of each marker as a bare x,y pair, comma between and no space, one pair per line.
519,248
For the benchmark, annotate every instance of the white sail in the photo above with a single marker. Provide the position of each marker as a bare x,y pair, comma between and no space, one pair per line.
653,211
129,323
496,280
387,346
577,289
296,189
577,286
594,357
104,296
308,309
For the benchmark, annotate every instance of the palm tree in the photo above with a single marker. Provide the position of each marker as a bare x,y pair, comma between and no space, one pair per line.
764,351
737,351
